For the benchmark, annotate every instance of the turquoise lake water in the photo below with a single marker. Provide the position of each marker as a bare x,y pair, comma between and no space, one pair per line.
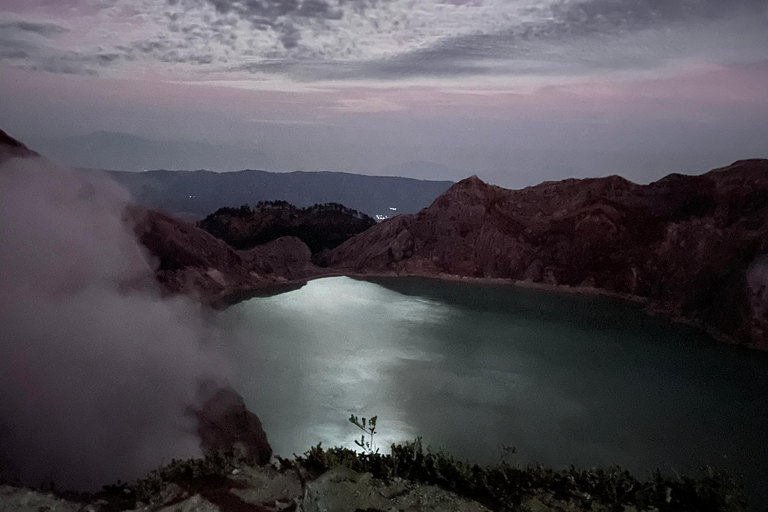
567,379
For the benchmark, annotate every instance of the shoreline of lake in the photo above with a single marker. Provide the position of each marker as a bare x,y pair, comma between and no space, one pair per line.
566,378
650,308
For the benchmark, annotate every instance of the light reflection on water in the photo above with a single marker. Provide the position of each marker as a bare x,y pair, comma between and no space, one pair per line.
314,356
566,379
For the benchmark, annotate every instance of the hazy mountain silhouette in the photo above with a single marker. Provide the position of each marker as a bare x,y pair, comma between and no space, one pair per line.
195,194
424,171
124,152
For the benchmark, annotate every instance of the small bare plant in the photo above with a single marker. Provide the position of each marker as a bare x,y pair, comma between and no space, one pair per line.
369,429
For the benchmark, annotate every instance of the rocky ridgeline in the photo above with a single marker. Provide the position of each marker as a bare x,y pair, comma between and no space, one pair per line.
188,260
694,247
322,226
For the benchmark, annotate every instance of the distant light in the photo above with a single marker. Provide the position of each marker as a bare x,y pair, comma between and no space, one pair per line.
393,209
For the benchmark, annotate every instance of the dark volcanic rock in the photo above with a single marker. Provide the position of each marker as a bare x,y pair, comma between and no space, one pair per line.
224,424
11,148
190,261
691,245
287,257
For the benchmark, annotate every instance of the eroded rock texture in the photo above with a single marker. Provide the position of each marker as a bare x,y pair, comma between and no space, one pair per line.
188,260
694,246
224,424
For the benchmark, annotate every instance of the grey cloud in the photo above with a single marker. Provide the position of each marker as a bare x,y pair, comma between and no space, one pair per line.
611,16
26,55
43,29
180,51
11,54
282,16
570,38
290,37
20,50
265,13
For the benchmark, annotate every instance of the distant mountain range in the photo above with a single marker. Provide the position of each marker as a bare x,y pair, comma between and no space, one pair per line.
195,194
124,152
424,171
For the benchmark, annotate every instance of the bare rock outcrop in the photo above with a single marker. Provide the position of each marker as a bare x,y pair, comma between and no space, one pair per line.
689,245
344,490
16,499
188,260
224,424
285,258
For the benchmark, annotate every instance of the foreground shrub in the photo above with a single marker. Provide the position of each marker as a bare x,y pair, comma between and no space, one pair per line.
504,486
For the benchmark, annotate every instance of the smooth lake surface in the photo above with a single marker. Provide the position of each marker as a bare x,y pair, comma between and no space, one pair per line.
565,378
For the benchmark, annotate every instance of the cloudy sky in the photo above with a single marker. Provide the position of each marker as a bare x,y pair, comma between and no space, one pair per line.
516,91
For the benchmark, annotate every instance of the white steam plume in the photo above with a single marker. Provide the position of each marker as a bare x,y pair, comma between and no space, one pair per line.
96,369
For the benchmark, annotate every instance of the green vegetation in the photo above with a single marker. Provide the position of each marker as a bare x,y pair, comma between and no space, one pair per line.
212,470
369,430
504,487
321,227
501,486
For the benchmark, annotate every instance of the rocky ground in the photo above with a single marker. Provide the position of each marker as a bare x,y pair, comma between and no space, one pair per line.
266,489
250,488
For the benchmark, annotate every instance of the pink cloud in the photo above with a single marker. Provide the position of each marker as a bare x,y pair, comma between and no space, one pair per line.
699,95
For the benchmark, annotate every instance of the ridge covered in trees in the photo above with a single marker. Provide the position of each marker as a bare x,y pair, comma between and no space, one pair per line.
321,226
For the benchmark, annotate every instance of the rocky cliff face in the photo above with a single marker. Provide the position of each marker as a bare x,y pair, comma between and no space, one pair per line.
694,246
225,425
188,260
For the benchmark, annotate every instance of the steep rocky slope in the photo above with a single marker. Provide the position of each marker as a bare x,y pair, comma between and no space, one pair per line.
188,260
696,247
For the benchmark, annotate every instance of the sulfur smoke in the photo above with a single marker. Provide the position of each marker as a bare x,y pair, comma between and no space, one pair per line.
96,369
